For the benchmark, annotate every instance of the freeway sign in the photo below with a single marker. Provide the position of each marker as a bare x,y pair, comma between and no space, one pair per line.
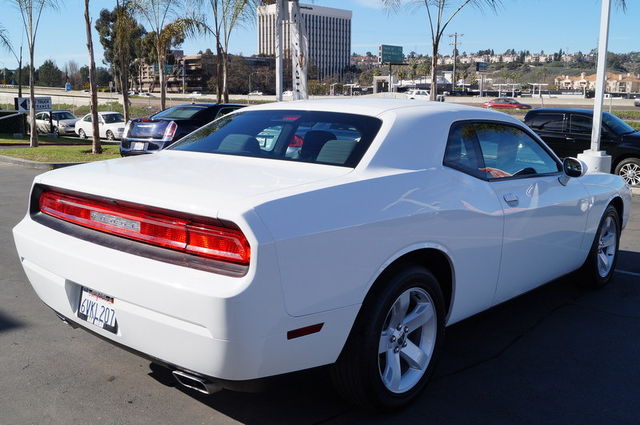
390,54
42,104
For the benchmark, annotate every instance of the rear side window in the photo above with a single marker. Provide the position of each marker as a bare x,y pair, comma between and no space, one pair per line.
580,124
547,122
462,151
303,136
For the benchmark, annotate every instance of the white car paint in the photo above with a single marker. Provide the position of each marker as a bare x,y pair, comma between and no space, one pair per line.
116,128
320,235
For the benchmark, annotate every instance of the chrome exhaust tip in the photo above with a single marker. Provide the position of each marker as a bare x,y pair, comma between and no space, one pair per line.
195,382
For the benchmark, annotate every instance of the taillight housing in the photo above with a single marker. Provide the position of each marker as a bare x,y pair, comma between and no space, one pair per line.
143,224
170,131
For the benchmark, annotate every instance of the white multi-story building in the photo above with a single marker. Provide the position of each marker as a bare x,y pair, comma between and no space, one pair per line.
329,32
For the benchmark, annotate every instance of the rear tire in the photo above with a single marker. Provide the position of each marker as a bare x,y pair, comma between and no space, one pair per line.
600,265
395,342
629,170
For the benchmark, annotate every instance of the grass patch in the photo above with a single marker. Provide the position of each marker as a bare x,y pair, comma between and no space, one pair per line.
627,115
634,124
9,139
62,153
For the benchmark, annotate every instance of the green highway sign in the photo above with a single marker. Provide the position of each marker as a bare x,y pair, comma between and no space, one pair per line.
390,54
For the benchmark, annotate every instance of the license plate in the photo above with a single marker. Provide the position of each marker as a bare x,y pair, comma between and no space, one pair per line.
98,309
137,146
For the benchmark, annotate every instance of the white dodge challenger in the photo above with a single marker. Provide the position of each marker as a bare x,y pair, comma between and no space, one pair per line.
292,235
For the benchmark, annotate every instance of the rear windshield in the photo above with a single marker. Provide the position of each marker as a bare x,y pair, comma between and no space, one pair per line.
616,124
178,112
304,136
63,116
112,118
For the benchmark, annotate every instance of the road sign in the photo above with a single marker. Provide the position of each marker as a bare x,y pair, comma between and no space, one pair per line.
390,54
42,104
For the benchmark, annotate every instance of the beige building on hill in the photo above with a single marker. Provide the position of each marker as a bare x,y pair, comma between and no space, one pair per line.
615,83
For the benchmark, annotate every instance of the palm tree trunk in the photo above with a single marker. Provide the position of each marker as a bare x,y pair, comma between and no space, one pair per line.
124,86
433,93
32,99
220,71
96,147
225,67
163,90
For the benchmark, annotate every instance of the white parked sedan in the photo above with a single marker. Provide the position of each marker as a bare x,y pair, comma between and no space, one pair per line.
244,259
111,125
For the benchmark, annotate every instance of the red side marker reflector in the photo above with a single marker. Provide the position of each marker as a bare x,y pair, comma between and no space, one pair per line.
307,330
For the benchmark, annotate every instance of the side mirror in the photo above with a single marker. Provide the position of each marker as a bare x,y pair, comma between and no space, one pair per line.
572,167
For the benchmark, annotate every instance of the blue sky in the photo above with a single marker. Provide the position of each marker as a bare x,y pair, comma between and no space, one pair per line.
533,25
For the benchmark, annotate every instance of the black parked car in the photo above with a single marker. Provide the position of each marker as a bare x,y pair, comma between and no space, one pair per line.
148,135
568,133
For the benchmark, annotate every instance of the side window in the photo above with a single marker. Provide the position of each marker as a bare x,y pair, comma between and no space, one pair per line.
224,111
580,124
547,122
509,151
87,118
462,151
39,116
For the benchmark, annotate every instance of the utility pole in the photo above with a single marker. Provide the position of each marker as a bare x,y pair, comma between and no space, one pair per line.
455,36
597,160
282,13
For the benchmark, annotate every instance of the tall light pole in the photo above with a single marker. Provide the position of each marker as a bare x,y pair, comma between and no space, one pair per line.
597,160
282,10
455,36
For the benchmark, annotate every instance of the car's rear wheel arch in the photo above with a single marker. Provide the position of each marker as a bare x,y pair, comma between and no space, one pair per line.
434,260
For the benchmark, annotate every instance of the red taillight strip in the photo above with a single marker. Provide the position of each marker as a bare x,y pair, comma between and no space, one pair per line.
163,230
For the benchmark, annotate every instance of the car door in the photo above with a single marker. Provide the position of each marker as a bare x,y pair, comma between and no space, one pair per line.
42,122
544,220
102,129
87,125
552,128
580,127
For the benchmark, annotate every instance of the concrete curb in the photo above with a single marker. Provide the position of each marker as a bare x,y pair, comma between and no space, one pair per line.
35,164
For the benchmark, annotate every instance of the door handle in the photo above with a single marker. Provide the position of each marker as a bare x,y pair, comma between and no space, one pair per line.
510,198
569,139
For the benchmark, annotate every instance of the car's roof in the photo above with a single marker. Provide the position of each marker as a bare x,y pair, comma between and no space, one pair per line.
58,110
108,112
208,104
561,110
368,106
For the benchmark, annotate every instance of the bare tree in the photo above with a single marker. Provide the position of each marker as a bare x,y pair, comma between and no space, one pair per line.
440,13
166,28
226,15
31,12
95,147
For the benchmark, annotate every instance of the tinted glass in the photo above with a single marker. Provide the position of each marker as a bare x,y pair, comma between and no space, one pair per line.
547,122
112,118
179,112
63,116
616,124
305,136
87,118
462,151
580,124
508,151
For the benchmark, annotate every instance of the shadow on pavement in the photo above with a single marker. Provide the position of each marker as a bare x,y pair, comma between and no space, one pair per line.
7,323
559,354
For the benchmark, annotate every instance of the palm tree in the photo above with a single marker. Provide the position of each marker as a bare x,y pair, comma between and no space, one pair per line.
164,32
31,12
440,13
96,147
226,15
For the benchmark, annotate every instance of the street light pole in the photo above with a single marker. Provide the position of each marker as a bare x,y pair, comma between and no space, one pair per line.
597,160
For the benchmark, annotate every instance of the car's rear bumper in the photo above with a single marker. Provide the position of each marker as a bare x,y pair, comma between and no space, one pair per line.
232,328
129,147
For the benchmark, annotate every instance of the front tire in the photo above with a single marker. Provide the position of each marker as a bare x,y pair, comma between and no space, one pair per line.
82,134
629,170
395,342
110,136
598,270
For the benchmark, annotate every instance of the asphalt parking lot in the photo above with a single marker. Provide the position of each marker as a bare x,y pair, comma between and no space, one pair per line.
558,355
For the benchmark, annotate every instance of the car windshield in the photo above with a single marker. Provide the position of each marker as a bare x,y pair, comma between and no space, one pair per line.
616,124
303,136
178,112
63,116
112,118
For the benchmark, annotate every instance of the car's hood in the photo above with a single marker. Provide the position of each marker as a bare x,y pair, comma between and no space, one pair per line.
196,183
71,121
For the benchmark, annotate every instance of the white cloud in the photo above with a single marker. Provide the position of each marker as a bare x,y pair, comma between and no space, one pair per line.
372,4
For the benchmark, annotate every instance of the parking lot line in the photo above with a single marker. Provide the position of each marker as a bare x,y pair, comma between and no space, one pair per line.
629,273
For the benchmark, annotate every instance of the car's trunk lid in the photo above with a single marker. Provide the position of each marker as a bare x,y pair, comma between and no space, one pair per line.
190,182
147,128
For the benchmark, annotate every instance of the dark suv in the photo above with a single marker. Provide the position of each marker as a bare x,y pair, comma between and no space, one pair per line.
148,135
568,133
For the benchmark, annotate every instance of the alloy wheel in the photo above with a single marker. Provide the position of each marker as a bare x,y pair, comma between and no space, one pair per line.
407,340
631,174
607,246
